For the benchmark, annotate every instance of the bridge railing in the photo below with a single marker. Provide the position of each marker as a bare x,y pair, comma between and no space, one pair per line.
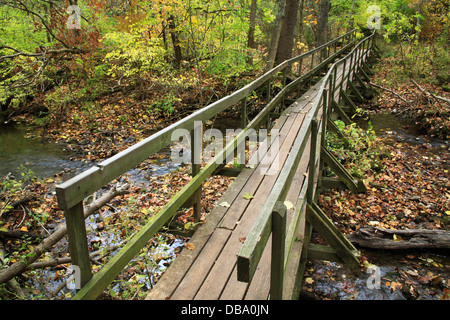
272,218
71,194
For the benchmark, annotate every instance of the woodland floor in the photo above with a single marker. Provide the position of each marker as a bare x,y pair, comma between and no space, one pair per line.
410,192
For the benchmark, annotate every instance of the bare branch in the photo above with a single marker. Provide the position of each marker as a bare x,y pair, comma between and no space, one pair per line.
18,4
429,93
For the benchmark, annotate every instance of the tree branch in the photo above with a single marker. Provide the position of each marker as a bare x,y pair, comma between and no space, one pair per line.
21,266
429,93
391,91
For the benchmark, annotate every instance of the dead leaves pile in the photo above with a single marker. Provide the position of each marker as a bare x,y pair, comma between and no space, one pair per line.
410,193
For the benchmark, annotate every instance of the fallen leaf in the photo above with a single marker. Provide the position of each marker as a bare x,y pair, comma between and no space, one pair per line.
248,196
288,205
242,239
24,229
309,280
224,204
189,246
412,273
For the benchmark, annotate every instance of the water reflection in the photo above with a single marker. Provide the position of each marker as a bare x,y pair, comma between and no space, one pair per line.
42,158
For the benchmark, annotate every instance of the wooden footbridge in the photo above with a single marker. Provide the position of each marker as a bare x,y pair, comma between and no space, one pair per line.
250,247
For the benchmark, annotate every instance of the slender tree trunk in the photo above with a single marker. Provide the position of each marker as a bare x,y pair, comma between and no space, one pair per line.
286,41
175,41
279,20
322,22
300,19
350,18
251,30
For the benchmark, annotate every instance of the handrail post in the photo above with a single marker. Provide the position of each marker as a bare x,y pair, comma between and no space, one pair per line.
78,246
312,161
278,248
243,125
324,116
196,151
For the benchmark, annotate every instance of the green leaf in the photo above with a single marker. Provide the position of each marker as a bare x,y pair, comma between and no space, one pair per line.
248,196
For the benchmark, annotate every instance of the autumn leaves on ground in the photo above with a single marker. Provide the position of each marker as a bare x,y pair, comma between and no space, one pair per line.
407,183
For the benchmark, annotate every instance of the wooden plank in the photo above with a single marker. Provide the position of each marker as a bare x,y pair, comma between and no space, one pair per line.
195,275
175,274
251,251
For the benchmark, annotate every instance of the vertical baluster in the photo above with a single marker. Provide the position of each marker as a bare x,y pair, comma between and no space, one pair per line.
312,161
196,151
243,125
78,246
278,254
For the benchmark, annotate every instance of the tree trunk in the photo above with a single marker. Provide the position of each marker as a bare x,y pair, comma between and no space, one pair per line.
350,18
376,238
279,20
322,22
300,19
251,30
175,41
286,41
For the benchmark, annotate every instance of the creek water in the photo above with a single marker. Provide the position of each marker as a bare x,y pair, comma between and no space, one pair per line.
19,151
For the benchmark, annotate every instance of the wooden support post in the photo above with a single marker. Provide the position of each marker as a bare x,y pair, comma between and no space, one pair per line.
78,246
356,92
243,125
348,101
341,112
367,69
324,116
312,161
333,127
196,151
364,75
278,251
362,83
353,184
243,113
327,230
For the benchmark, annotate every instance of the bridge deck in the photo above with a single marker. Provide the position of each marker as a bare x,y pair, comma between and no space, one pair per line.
209,271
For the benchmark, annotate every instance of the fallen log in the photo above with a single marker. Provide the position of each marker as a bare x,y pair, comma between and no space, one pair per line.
22,265
377,238
429,93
